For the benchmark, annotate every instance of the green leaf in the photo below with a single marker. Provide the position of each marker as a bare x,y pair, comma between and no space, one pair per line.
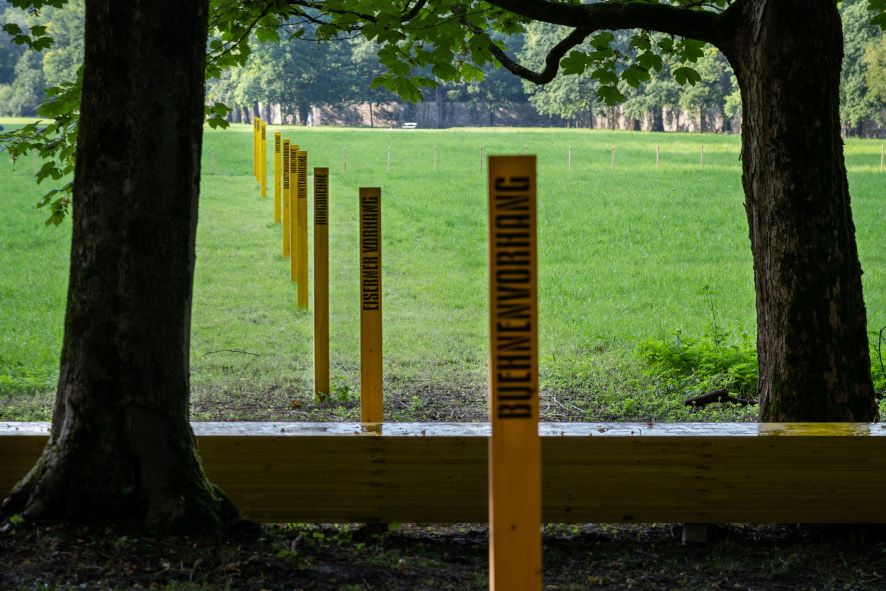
601,40
684,75
610,95
650,61
574,63
445,71
605,76
690,50
634,75
470,72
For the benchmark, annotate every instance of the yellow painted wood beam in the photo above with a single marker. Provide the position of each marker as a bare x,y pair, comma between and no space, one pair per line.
437,472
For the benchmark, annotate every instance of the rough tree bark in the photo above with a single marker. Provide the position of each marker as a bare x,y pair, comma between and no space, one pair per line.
811,324
121,447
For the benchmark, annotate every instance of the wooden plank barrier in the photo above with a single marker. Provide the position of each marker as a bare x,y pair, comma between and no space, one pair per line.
591,472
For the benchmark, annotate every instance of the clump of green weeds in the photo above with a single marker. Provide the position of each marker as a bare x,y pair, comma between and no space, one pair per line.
717,359
878,366
709,360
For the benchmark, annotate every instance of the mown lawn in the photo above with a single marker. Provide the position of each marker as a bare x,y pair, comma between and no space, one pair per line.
626,254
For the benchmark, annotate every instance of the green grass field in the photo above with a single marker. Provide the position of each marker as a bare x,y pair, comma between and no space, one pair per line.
625,254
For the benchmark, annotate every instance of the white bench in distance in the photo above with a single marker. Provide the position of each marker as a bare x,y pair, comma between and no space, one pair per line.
409,125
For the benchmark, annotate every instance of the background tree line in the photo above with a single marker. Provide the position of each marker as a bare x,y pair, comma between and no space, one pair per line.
282,81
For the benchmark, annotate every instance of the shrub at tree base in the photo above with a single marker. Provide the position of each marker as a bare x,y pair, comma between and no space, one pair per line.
708,360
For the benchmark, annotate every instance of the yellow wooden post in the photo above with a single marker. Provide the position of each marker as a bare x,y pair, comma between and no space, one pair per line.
371,408
293,213
515,447
302,229
321,282
277,146
286,191
263,160
255,147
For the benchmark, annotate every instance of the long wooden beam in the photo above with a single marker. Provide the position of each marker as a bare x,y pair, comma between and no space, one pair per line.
437,472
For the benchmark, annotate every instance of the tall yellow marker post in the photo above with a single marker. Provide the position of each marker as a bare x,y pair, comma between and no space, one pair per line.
293,212
278,141
302,229
255,147
514,448
371,409
286,191
263,160
321,282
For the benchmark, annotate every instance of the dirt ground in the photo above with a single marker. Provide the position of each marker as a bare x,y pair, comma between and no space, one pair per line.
420,557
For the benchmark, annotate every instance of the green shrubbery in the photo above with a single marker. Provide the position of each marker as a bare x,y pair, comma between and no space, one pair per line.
721,360
878,364
710,361
718,359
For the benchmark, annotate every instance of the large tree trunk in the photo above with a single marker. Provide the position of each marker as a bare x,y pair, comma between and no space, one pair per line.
440,104
657,119
811,326
121,447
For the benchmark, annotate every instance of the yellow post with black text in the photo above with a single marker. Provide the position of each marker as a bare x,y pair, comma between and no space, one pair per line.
287,190
301,187
371,405
278,141
514,447
321,283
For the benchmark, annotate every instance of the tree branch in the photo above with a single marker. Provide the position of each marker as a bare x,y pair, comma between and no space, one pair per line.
552,60
702,25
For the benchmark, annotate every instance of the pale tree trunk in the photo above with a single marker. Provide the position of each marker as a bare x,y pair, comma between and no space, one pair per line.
811,325
121,447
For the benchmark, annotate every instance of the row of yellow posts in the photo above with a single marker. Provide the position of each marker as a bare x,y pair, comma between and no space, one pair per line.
291,212
514,445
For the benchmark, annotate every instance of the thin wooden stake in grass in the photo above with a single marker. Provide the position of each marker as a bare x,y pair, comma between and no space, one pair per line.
302,233
212,160
263,159
569,160
293,213
481,158
371,407
255,147
525,148
344,162
278,146
515,447
389,158
657,157
701,157
613,158
321,283
286,197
